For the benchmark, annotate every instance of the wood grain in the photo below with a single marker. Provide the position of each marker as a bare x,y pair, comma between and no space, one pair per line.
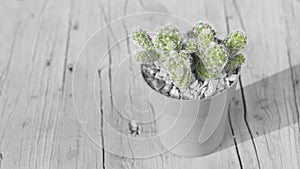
39,45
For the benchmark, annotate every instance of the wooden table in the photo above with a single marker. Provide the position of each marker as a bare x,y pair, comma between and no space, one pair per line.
48,114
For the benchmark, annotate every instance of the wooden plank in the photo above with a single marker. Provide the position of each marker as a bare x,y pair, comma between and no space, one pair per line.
292,43
269,103
38,127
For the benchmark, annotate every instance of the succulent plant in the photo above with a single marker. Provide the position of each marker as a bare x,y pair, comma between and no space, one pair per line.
168,39
142,39
235,42
234,62
199,47
179,69
200,26
190,43
213,60
146,57
202,72
205,35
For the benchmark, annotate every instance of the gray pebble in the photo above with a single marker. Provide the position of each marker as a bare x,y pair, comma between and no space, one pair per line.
162,75
167,88
157,84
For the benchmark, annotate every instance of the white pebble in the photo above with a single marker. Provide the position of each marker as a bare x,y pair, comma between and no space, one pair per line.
211,89
174,92
194,84
232,77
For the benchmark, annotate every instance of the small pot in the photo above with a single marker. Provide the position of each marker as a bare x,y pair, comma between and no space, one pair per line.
192,127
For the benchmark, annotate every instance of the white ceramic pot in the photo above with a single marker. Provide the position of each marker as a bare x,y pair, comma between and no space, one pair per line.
192,127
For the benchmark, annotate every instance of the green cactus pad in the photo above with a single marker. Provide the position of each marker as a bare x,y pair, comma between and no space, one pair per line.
235,41
142,39
200,26
202,72
162,58
214,59
145,56
191,45
184,54
168,38
205,39
234,62
205,34
178,67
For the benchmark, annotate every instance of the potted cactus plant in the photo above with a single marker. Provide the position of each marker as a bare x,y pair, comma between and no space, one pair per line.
197,71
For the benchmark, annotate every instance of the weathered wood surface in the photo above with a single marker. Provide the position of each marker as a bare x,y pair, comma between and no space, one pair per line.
39,44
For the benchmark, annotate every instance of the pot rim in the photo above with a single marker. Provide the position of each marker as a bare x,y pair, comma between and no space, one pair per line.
200,100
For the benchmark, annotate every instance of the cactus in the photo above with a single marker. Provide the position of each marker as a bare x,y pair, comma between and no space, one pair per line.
214,60
199,49
167,39
142,39
178,68
234,62
200,26
235,42
202,72
190,43
146,57
205,35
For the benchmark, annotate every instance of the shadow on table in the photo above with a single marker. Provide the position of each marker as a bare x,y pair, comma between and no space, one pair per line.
269,105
